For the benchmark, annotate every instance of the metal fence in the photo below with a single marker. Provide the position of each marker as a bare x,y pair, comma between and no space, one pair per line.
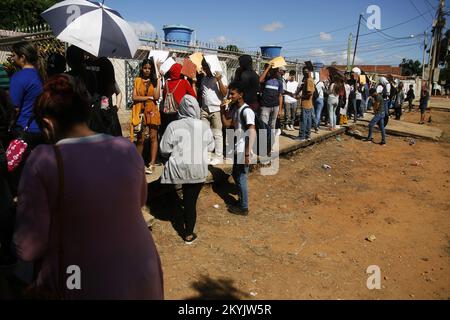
180,50
126,70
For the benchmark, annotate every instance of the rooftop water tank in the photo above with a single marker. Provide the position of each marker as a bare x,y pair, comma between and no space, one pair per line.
178,34
271,51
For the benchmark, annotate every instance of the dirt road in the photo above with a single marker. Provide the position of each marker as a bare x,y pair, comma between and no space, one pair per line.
305,237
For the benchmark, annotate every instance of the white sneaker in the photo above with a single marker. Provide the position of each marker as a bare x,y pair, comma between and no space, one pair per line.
278,132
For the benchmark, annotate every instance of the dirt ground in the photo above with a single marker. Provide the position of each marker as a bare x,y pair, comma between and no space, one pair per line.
305,237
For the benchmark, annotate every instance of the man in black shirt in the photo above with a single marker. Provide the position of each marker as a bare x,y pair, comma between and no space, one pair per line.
249,81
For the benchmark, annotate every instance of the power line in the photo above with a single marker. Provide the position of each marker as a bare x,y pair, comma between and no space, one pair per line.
395,26
362,44
411,1
307,37
333,53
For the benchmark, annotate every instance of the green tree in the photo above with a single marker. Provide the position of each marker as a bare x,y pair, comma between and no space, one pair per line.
23,13
411,67
230,47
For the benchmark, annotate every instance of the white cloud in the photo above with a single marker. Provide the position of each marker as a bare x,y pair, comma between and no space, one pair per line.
316,53
220,40
142,28
340,58
273,26
325,36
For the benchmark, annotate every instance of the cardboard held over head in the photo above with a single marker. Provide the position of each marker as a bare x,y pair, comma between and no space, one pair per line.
278,62
189,69
214,64
197,59
167,65
159,55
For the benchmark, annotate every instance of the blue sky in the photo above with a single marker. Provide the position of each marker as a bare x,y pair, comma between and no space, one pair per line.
303,28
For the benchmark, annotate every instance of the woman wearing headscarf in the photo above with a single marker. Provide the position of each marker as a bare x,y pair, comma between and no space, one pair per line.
188,159
179,87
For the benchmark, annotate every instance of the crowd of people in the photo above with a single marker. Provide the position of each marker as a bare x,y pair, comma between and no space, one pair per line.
83,178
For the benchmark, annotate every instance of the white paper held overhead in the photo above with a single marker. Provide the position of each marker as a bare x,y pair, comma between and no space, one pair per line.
167,65
214,64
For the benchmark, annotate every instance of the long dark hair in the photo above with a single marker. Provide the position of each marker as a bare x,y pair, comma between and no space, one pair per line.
153,75
338,85
31,55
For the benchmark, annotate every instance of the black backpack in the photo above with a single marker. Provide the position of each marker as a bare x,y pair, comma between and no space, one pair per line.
342,100
384,92
265,137
316,92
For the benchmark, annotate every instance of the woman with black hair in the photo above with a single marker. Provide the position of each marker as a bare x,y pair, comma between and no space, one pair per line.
25,87
145,117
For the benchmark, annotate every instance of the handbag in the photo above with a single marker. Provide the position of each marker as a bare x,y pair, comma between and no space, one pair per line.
18,149
170,103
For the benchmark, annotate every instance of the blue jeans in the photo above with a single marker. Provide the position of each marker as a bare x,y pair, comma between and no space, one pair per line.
318,107
240,173
289,113
305,130
369,104
378,118
387,103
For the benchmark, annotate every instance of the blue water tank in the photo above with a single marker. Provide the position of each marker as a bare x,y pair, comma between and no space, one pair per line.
271,51
318,66
178,34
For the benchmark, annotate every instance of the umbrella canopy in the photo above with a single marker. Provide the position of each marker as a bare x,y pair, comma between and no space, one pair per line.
92,27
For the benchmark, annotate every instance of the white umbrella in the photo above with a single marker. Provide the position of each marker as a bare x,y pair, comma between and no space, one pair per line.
93,27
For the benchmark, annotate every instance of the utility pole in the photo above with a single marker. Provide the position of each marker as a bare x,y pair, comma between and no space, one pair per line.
438,25
356,42
424,52
349,52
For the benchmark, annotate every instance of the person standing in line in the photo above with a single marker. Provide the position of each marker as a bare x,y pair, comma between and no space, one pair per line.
145,116
318,104
187,163
378,109
424,99
400,98
248,79
333,102
290,101
272,97
74,209
242,120
307,105
410,96
214,89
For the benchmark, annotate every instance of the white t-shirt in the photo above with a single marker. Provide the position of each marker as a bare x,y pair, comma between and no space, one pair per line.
211,95
320,86
291,87
249,119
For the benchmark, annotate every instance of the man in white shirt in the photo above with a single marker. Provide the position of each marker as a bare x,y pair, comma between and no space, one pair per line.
214,90
318,104
290,101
